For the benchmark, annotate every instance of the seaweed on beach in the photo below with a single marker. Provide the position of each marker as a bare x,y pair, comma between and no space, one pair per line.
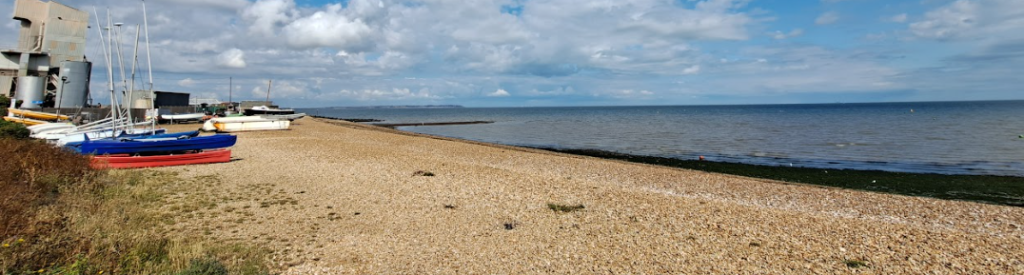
1003,190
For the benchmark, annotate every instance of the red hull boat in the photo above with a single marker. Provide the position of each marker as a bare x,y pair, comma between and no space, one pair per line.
128,161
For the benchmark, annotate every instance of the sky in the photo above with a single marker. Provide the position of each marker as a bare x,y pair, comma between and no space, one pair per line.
520,53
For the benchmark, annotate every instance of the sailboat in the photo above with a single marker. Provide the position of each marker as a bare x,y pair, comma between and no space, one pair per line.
128,150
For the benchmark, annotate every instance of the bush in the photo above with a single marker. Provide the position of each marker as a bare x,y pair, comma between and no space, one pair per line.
208,266
4,103
11,130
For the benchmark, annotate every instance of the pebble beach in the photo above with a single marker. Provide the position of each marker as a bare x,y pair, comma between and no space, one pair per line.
334,197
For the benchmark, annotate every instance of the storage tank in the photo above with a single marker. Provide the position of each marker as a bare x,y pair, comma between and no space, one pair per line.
74,77
30,91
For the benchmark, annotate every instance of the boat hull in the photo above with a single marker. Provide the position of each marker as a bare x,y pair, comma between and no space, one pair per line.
242,126
152,145
250,112
126,161
37,115
25,121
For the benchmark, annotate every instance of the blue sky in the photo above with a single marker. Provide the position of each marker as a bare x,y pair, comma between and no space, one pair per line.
574,52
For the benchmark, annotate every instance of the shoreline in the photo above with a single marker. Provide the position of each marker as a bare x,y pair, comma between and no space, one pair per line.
991,189
334,197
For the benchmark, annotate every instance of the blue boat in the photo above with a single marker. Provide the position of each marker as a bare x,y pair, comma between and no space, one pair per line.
187,134
151,145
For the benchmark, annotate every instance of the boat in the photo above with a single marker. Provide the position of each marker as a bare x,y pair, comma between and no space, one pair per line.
209,124
264,110
121,161
183,117
67,138
151,145
178,135
50,128
288,117
25,121
252,125
35,115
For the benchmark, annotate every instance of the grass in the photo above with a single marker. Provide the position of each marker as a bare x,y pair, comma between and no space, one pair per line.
565,208
1001,190
855,263
61,217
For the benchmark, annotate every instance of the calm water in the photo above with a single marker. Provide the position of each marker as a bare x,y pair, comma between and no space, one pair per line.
936,137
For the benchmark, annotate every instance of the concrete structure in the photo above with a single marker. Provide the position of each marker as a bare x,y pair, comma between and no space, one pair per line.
171,99
73,84
50,33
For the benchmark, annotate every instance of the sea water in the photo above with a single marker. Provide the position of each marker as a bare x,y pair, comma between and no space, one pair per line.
976,138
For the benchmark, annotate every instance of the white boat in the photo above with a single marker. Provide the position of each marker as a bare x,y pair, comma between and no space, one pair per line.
241,124
208,125
41,132
105,133
265,110
288,117
183,117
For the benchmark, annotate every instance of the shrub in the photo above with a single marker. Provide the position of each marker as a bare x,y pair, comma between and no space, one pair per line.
565,208
207,266
11,130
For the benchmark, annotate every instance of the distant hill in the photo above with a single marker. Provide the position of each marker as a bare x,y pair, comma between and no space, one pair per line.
398,107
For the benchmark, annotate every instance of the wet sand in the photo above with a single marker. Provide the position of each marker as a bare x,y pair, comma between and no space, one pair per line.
334,197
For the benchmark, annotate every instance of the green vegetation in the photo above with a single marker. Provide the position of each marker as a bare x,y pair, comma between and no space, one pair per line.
423,173
61,217
564,208
855,263
4,103
987,189
11,130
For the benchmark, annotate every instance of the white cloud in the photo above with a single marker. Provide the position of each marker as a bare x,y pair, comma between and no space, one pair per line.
793,33
499,93
964,19
899,18
233,58
692,69
827,18
329,28
187,82
266,15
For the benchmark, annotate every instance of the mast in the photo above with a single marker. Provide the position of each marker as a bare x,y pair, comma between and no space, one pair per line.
230,88
269,82
106,58
149,64
131,85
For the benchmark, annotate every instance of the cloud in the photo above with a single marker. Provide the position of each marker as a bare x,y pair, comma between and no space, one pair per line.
266,15
827,18
187,82
233,58
329,28
692,69
499,93
899,18
778,35
971,20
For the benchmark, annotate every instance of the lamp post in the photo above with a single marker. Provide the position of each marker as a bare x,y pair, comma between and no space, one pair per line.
63,82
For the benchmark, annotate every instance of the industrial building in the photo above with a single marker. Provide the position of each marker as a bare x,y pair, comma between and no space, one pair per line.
48,64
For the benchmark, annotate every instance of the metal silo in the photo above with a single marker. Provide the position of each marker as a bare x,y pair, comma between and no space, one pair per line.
30,91
73,84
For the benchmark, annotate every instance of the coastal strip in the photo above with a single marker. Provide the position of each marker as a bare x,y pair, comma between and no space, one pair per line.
1003,190
335,197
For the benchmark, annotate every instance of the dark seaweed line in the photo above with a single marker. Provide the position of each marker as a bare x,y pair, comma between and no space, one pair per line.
1001,190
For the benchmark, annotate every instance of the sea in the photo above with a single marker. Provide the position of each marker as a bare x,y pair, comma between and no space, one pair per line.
968,138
